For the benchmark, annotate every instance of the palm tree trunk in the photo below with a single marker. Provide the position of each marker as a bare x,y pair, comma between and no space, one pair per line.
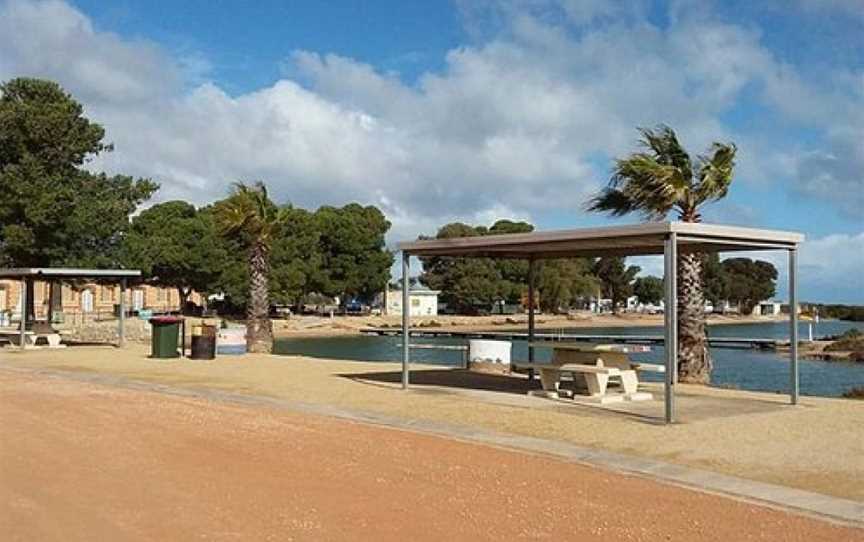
259,329
694,358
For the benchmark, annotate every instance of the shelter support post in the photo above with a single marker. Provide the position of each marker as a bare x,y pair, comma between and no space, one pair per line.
406,318
530,317
23,328
121,318
793,326
670,317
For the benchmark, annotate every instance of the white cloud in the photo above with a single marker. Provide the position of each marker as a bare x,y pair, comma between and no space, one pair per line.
520,123
830,269
52,39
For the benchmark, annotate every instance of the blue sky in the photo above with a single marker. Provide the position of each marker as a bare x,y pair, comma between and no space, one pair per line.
472,111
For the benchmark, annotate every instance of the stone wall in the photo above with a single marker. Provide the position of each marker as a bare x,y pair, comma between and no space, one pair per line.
105,331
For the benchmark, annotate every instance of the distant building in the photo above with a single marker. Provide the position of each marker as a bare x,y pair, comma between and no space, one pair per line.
424,302
767,308
90,298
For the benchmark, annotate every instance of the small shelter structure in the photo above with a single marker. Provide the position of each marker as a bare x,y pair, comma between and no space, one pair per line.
667,238
28,275
424,301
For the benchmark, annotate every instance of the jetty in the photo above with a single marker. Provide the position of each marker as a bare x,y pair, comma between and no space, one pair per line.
717,342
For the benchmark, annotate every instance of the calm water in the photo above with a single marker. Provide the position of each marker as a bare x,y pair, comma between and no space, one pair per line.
744,369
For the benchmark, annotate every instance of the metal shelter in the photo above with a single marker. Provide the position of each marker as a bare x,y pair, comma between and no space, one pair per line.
29,274
667,238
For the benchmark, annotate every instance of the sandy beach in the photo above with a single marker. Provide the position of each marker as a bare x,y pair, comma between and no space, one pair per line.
317,326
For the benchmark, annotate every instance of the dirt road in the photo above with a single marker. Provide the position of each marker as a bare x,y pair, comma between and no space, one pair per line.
85,462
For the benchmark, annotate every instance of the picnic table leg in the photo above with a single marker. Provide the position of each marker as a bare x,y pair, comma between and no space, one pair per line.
550,380
597,384
629,382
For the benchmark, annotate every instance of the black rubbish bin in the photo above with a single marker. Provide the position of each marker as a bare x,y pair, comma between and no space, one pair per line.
166,332
203,342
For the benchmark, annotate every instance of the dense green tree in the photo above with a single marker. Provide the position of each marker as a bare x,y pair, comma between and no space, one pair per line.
296,258
467,285
311,257
616,279
654,183
513,273
176,245
355,262
566,283
52,211
249,218
749,282
472,285
648,289
714,280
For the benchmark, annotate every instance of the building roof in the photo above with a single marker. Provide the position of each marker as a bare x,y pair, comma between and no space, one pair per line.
415,289
647,238
67,273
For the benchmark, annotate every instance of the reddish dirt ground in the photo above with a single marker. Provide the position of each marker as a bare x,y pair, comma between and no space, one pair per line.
85,462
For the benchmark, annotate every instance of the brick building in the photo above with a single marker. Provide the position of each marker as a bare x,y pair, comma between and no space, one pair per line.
90,298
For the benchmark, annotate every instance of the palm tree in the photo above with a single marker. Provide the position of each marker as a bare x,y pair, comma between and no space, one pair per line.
654,183
250,218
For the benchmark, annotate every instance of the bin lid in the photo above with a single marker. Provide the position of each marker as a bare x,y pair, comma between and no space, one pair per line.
165,320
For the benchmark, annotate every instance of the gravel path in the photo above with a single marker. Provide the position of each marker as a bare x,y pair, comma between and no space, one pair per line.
755,436
85,462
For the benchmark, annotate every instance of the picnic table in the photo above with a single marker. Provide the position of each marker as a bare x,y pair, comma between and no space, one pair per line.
32,336
592,366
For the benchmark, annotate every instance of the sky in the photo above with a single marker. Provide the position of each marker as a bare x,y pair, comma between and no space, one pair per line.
473,110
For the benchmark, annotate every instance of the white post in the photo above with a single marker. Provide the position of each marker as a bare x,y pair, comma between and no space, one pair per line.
23,313
793,326
670,317
406,319
121,322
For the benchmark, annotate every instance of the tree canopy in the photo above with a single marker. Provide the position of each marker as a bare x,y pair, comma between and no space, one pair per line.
616,279
565,283
52,210
664,178
714,280
472,285
354,260
174,244
749,281
334,251
649,290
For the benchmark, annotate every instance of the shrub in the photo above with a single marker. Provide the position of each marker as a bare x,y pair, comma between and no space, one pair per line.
855,393
851,339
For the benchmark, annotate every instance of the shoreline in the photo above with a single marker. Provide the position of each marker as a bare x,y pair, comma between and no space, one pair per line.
308,327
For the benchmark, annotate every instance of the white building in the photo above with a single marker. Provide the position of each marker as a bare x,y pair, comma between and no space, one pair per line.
424,302
767,308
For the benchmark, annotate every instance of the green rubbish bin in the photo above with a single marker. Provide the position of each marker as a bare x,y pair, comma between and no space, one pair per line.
166,331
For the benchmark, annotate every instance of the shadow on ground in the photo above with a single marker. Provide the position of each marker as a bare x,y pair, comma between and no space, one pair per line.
452,378
693,405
